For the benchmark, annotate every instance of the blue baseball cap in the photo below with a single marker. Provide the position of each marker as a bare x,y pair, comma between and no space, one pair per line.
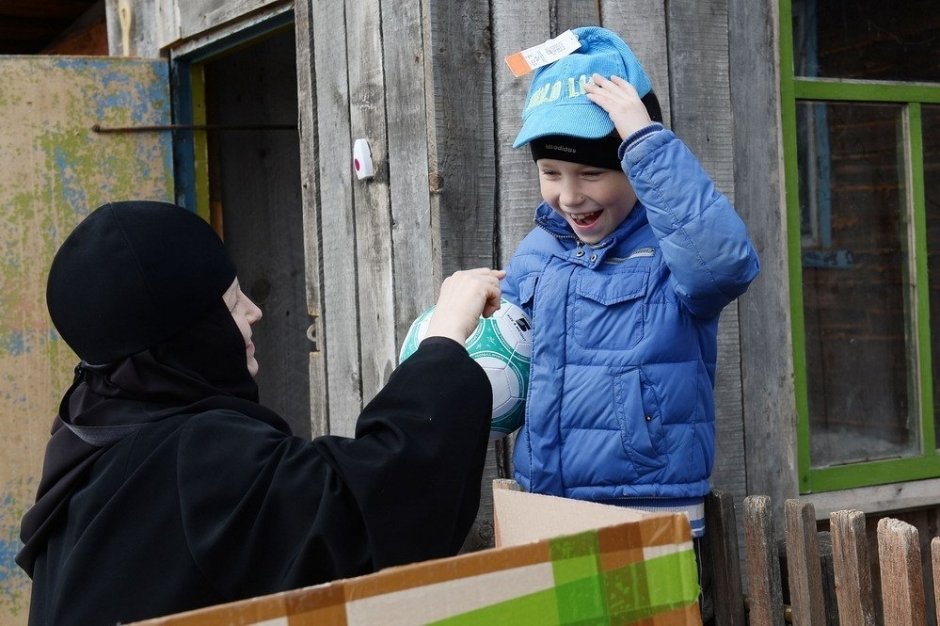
557,104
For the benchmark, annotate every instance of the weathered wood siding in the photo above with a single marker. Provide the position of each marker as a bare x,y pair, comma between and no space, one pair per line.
55,170
151,26
426,84
141,28
336,194
198,16
702,117
766,340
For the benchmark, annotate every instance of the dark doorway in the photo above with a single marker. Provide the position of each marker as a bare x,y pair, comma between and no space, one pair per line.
255,201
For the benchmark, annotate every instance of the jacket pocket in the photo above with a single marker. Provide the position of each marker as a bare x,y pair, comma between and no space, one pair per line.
527,292
609,310
640,425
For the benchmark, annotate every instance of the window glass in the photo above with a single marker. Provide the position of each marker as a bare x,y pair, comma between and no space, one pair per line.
931,125
867,39
854,267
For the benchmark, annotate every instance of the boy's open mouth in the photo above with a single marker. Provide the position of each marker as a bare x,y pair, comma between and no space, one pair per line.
585,219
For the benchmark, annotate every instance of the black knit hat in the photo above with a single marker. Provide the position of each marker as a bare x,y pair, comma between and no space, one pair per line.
133,274
594,152
600,152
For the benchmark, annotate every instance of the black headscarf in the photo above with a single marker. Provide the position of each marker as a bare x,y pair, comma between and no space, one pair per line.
136,290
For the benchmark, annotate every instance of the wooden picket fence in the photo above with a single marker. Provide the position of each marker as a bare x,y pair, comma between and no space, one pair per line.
815,578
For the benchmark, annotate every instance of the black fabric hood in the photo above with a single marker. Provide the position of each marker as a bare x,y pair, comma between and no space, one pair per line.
133,274
136,290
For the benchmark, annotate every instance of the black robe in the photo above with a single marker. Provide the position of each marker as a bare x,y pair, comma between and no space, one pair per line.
200,509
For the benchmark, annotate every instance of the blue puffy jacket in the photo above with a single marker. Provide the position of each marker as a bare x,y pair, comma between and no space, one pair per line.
620,402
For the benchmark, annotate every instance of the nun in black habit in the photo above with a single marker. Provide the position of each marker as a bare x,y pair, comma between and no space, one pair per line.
166,486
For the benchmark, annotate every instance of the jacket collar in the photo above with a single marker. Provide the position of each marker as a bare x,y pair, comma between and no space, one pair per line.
548,219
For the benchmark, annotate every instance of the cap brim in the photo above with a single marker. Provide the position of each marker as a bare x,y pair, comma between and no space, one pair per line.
578,119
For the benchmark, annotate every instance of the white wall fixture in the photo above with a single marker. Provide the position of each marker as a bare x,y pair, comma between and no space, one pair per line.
362,159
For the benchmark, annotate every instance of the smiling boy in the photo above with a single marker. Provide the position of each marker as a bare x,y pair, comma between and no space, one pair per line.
633,257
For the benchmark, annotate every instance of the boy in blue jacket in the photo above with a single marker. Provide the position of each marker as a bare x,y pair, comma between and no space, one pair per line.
633,257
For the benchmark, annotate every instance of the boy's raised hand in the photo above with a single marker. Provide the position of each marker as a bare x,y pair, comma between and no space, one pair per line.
621,101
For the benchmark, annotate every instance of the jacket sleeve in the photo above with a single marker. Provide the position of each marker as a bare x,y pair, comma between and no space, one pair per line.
265,512
509,285
703,240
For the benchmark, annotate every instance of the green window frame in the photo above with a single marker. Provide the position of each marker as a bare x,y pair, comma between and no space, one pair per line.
911,97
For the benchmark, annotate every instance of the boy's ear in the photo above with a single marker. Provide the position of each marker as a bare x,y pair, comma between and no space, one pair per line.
652,107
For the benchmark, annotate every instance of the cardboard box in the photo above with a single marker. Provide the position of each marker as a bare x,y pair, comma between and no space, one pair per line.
557,561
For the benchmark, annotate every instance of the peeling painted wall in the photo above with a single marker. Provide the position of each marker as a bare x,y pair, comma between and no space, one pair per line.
55,169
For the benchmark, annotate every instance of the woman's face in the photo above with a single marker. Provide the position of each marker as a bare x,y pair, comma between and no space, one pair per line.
245,313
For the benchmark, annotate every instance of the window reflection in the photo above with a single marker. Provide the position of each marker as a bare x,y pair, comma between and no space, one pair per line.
867,39
854,267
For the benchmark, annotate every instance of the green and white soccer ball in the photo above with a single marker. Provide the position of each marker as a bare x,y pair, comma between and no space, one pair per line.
502,345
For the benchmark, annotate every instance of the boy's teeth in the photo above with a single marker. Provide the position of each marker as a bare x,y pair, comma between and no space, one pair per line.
584,217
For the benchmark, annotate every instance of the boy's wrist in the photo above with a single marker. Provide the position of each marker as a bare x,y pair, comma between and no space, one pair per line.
640,134
634,140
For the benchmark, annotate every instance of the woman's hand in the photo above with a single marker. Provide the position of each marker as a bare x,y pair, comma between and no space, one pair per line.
464,297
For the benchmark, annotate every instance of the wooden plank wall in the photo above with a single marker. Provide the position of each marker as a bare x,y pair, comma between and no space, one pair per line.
698,54
154,25
372,255
516,26
766,357
377,263
310,197
461,140
415,269
463,167
328,207
426,84
198,16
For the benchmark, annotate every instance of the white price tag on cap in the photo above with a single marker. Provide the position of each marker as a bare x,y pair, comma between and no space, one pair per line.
531,58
